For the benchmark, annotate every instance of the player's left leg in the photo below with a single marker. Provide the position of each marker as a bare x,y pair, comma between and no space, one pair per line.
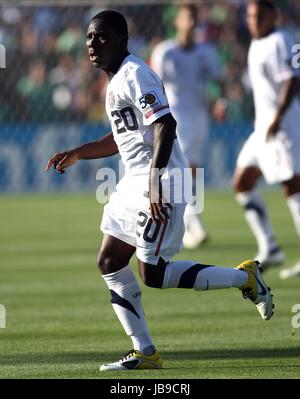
291,191
158,242
190,274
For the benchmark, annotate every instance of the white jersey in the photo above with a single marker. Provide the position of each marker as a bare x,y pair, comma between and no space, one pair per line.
185,72
135,99
269,65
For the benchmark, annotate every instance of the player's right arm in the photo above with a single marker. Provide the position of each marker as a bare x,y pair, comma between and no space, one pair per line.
102,148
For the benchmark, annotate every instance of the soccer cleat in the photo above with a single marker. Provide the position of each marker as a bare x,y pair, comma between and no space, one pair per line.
256,289
291,272
135,360
274,257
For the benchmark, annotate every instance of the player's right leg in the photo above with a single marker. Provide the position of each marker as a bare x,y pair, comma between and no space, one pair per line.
113,261
245,178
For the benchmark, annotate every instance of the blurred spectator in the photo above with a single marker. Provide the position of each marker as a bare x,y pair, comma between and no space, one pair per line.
237,109
48,46
62,85
63,72
29,44
72,39
45,20
37,92
137,44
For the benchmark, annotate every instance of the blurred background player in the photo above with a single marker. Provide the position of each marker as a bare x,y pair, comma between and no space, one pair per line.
273,149
184,67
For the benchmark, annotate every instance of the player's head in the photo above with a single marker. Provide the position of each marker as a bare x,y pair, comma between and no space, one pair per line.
107,37
261,17
186,19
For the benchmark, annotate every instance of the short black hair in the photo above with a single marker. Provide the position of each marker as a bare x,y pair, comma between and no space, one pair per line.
115,19
267,4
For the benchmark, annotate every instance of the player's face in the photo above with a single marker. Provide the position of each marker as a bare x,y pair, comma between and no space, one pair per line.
104,44
259,20
185,21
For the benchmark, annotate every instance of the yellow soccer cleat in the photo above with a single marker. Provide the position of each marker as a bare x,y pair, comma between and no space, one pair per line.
135,360
256,289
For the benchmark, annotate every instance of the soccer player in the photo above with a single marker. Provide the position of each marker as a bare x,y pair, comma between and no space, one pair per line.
136,219
184,67
273,149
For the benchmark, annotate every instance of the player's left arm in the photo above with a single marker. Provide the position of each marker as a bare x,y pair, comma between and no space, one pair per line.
287,93
164,135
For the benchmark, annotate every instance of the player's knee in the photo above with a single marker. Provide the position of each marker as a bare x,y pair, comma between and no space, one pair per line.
150,277
291,187
237,183
150,281
105,263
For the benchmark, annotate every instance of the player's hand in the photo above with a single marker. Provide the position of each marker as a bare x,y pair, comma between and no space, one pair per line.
62,160
158,206
273,128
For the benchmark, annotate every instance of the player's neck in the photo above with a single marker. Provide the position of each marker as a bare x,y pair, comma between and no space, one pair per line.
113,69
185,41
271,30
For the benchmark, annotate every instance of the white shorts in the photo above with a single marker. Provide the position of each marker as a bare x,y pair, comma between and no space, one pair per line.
130,221
278,159
192,131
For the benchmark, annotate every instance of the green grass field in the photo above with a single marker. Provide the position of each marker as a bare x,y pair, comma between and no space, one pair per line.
60,323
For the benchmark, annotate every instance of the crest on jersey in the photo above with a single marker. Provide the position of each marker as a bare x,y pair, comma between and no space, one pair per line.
111,99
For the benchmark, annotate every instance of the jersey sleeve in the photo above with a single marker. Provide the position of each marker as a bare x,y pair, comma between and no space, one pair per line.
145,91
281,60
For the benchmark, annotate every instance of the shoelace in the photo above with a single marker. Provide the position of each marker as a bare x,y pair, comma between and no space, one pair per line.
247,294
131,353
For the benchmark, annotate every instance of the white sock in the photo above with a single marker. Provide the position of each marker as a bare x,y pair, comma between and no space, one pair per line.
258,220
294,205
126,301
189,274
